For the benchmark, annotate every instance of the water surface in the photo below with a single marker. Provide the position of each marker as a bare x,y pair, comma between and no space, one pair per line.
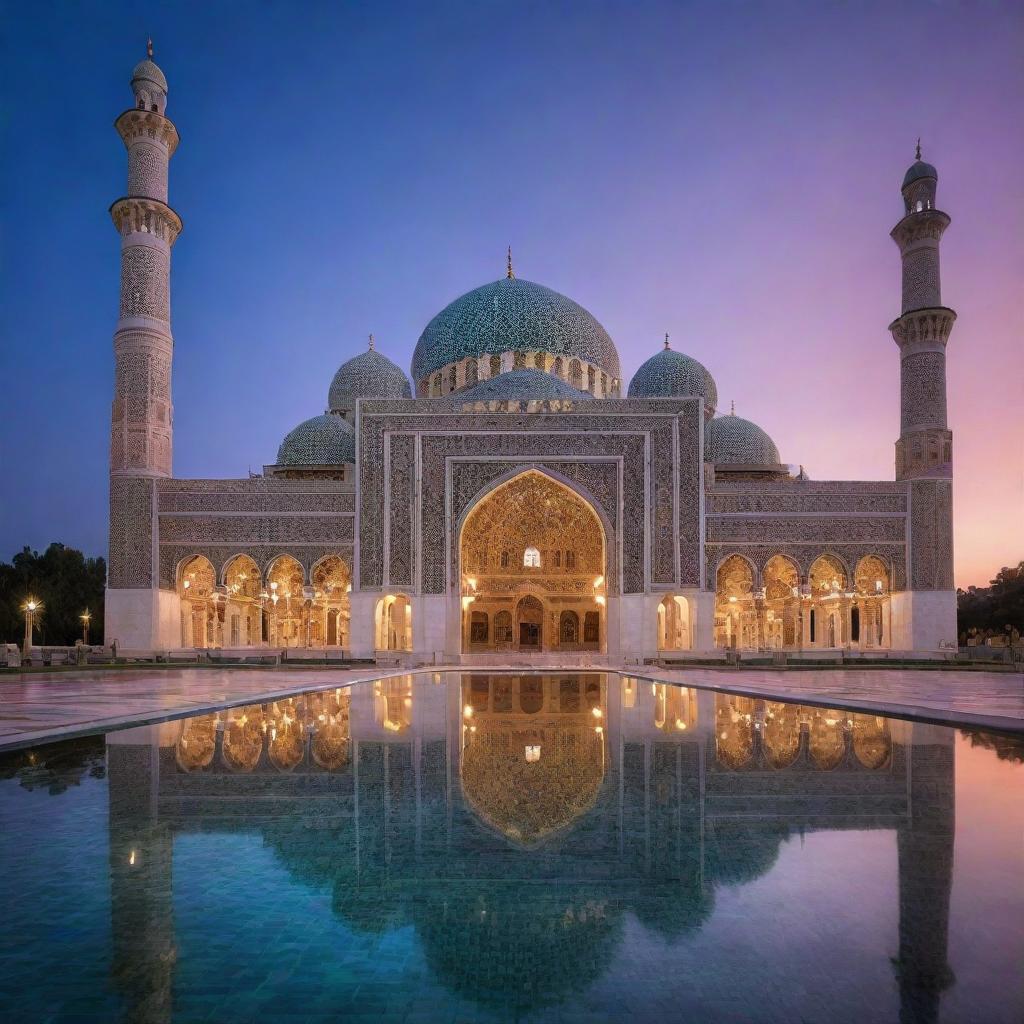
500,847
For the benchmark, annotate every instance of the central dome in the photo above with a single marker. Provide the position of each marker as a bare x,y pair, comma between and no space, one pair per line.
512,315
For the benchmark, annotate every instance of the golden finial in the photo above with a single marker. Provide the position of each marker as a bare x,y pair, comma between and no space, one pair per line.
666,339
509,272
917,152
371,342
149,48
732,408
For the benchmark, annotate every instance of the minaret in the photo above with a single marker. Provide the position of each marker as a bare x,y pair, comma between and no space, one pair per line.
138,614
140,437
921,331
924,616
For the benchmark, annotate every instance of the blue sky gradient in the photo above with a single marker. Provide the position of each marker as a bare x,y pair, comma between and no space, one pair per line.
726,172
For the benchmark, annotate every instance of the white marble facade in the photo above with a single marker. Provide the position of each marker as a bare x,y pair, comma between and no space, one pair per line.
508,502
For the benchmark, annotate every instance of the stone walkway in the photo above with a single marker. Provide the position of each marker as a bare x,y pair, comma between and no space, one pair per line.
46,706
993,700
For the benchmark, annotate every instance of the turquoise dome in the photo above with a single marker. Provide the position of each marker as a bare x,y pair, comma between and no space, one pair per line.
670,374
325,440
512,315
732,439
368,375
919,169
520,384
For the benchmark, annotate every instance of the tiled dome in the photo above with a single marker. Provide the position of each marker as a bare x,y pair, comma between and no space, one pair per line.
512,315
670,374
325,440
736,440
147,71
368,375
520,384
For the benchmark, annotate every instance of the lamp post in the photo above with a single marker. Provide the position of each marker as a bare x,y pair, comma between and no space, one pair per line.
85,617
31,607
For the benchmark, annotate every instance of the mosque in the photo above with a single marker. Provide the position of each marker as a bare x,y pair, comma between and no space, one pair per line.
516,498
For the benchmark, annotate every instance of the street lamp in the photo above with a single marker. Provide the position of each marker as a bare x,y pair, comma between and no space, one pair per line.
31,607
85,617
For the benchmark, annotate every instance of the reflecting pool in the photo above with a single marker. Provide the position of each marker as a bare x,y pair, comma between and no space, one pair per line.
491,847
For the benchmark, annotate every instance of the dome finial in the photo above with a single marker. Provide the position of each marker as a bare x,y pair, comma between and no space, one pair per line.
917,152
666,339
732,407
371,342
149,47
509,272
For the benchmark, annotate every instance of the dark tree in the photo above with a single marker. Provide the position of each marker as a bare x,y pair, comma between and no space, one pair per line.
65,581
998,608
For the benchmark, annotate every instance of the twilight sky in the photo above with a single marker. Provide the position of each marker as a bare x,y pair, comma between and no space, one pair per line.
727,172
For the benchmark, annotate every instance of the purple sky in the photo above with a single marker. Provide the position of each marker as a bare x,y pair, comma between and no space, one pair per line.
726,172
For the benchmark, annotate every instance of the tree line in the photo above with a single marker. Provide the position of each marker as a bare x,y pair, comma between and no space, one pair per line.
66,581
995,610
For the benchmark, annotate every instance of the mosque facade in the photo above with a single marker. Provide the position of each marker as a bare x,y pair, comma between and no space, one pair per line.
516,497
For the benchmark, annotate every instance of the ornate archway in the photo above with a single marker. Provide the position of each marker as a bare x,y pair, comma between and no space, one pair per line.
532,557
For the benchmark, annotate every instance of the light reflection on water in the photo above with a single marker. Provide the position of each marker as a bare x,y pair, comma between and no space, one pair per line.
482,846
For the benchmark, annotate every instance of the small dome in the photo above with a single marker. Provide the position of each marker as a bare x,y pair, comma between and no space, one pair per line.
147,71
519,384
919,169
325,440
734,439
513,315
670,374
368,375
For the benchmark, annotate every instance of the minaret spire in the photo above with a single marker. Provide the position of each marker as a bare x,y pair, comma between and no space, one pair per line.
509,272
371,342
732,407
149,47
917,152
666,340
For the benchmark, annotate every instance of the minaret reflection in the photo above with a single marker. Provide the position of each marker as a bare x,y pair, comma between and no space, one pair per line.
142,920
523,819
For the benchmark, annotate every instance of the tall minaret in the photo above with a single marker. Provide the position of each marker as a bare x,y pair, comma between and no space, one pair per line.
138,614
140,437
925,616
921,331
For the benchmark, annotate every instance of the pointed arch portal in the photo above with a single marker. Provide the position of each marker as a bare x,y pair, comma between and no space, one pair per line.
532,554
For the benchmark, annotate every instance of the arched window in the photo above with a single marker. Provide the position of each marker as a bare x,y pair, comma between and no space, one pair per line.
478,628
503,628
576,374
538,360
470,373
557,367
591,378
453,378
504,559
531,558
495,365
435,389
558,559
604,383
569,628
570,559
591,628
518,360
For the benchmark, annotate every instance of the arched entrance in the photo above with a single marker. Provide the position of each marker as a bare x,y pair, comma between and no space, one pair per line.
532,569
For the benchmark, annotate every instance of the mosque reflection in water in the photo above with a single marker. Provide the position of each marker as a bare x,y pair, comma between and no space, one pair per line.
517,820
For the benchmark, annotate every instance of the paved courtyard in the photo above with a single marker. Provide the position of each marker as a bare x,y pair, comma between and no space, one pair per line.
40,706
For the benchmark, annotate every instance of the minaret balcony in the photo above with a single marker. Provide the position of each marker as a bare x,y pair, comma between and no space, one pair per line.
923,330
